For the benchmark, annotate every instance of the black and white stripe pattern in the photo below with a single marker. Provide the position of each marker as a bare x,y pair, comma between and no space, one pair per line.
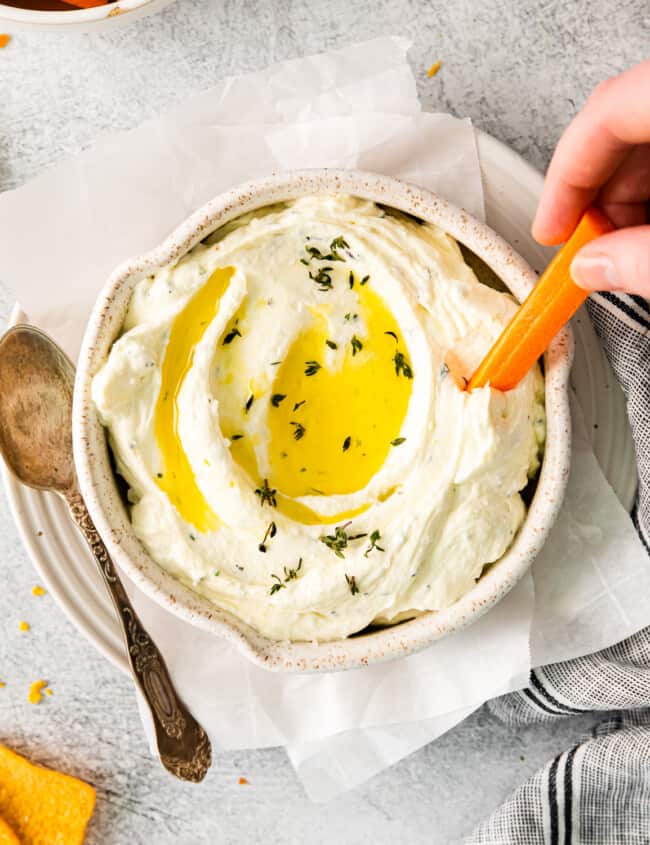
598,793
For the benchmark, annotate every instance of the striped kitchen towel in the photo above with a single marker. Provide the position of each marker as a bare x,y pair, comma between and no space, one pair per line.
597,793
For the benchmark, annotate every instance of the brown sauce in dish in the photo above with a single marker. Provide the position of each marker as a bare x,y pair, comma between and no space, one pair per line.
44,5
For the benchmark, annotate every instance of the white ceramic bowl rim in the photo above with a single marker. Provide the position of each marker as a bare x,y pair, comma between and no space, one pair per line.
98,484
73,16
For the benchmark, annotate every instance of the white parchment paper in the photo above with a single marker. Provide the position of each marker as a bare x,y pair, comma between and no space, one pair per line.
61,235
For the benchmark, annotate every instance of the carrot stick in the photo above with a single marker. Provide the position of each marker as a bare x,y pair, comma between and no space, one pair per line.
552,302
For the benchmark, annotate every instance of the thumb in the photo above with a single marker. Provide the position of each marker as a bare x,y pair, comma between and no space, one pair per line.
617,261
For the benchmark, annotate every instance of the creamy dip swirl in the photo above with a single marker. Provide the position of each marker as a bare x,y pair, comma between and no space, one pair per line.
297,450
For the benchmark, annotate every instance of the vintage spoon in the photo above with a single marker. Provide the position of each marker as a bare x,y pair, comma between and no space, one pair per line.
36,382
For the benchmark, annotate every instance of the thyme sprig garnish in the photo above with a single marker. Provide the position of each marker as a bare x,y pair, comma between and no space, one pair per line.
374,537
338,541
267,494
298,431
347,443
311,368
402,366
277,586
397,441
352,584
322,278
249,403
357,346
277,398
337,244
292,574
232,334
269,534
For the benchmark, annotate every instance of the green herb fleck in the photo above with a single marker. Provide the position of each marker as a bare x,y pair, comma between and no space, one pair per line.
299,404
217,573
322,278
236,436
350,316
331,344
357,346
193,537
311,368
304,261
232,334
338,541
275,363
270,533
347,443
248,404
352,584
277,586
374,537
292,574
159,475
277,398
335,246
397,441
351,280
392,334
266,494
299,430
365,280
402,366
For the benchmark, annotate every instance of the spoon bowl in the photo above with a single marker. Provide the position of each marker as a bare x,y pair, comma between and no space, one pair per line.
36,384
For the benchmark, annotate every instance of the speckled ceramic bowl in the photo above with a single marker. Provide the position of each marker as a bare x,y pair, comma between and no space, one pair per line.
98,483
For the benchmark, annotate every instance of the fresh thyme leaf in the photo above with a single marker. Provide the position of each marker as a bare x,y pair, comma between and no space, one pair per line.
347,443
216,573
193,537
357,346
338,541
374,537
299,430
292,574
365,280
316,255
159,475
337,244
322,278
277,398
311,368
350,316
277,586
444,371
352,584
299,404
275,363
304,261
402,366
232,334
236,436
351,280
270,533
248,404
266,495
397,441
317,491
392,334
332,344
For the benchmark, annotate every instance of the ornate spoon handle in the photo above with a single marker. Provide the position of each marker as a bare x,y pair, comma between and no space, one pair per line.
183,745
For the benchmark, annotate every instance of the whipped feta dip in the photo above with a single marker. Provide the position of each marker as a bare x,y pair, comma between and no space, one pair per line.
286,405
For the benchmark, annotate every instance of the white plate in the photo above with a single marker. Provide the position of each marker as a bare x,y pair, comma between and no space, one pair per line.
512,189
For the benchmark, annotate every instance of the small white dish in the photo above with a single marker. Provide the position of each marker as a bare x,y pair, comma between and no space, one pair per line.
79,20
107,509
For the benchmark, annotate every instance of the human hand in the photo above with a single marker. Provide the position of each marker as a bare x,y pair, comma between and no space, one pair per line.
603,158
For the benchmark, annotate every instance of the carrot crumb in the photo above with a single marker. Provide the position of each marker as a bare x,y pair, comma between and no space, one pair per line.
35,692
433,70
24,626
38,591
4,40
243,782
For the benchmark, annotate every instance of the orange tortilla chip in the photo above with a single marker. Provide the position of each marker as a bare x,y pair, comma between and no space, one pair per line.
7,836
41,806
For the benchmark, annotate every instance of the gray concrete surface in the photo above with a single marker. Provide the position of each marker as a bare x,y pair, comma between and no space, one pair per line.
520,69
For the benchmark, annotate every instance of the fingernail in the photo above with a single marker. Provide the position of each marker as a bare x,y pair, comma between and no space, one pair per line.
594,272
